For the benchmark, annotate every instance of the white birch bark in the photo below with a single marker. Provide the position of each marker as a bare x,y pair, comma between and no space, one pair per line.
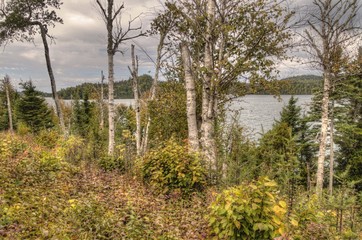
8,102
134,73
101,104
323,134
208,115
193,138
111,110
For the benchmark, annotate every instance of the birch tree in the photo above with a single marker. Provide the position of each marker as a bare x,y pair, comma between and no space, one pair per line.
190,99
21,20
7,88
331,27
161,25
137,107
229,41
116,34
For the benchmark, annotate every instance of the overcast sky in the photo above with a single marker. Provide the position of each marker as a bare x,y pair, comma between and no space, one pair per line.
79,53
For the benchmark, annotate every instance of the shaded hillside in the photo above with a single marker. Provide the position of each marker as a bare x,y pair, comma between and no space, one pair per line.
295,85
301,85
122,89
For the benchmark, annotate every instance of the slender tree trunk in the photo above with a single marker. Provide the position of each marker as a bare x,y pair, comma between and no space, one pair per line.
101,104
111,110
208,115
8,102
58,108
134,73
193,137
324,133
331,149
111,52
144,144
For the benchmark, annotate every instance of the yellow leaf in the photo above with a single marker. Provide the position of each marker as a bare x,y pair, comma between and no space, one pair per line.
294,222
283,204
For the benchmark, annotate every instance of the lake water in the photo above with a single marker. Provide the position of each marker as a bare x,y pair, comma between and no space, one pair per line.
255,112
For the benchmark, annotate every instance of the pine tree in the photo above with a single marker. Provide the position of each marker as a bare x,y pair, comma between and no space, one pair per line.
349,124
32,109
291,115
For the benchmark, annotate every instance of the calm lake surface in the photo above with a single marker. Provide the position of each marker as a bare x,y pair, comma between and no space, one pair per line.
255,112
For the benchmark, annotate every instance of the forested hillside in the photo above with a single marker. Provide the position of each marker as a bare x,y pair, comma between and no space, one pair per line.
295,85
122,89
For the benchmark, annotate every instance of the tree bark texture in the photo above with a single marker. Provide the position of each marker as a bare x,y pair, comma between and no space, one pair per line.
58,108
208,114
101,104
193,138
137,108
8,102
323,133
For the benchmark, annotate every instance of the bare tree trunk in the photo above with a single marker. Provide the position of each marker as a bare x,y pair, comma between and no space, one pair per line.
115,36
134,73
208,115
331,149
8,102
193,137
144,144
324,133
58,108
111,110
101,104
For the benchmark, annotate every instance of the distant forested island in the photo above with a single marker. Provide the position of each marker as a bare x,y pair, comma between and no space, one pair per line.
295,85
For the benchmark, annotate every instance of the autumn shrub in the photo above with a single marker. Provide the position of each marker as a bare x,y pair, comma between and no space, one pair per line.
172,167
48,138
72,149
109,163
248,211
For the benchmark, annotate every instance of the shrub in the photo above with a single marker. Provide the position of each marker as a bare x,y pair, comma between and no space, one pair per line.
109,163
173,167
248,211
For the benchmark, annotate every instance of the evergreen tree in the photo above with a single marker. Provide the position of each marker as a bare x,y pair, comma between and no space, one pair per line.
349,124
82,115
291,115
32,109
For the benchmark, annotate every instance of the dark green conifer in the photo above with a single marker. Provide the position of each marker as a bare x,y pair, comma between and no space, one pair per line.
32,109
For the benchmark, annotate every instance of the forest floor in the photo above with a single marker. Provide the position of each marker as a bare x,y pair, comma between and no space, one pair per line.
44,197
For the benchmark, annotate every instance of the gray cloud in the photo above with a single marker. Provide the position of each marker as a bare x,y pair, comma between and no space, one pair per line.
79,52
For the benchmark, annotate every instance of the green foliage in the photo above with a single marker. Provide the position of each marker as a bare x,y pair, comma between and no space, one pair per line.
237,153
20,19
32,110
122,89
109,163
248,211
349,127
173,168
168,113
301,85
42,196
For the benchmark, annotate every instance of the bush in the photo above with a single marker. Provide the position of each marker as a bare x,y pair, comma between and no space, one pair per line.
248,211
108,163
173,167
